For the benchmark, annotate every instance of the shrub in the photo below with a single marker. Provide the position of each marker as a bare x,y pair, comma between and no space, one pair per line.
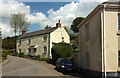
61,50
4,55
15,54
37,57
43,59
25,56
21,54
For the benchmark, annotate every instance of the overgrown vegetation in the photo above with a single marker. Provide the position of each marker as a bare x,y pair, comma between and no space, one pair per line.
61,50
8,43
4,55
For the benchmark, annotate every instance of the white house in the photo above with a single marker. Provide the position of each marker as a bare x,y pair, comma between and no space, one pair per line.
40,42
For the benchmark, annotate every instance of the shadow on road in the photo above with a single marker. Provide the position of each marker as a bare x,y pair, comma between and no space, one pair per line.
75,74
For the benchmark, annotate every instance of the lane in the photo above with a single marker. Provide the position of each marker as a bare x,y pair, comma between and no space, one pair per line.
17,66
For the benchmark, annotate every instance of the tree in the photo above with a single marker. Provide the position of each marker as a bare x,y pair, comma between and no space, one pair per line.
66,28
75,23
18,22
47,27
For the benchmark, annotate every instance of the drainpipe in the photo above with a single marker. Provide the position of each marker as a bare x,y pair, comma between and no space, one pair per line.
104,41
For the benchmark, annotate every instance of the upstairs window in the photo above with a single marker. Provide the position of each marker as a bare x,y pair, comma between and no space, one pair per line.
119,22
45,38
87,32
29,41
45,49
19,43
62,39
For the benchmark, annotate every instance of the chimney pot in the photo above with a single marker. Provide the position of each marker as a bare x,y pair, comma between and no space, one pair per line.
58,24
24,31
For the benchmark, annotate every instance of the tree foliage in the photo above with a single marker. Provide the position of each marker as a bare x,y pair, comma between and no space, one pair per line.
47,27
61,50
75,23
18,22
66,28
8,43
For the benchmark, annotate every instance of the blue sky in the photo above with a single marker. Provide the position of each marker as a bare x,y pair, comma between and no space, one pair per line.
51,12
43,7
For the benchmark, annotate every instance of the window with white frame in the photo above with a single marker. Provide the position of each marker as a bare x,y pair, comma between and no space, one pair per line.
87,32
19,43
62,39
119,21
45,38
29,41
29,50
45,49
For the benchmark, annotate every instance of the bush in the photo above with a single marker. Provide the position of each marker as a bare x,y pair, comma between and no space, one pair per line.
37,57
61,50
43,59
15,54
21,54
4,55
25,56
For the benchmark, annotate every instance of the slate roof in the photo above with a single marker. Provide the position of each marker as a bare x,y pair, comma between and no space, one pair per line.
39,32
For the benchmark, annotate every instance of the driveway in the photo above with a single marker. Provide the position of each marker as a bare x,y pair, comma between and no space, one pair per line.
17,66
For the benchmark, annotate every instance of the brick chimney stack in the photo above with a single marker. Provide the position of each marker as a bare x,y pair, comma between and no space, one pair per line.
58,24
24,31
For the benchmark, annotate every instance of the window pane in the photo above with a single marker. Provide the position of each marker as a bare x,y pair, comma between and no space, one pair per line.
45,49
118,21
45,38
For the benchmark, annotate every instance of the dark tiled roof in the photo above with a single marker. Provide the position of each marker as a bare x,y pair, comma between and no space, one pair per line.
39,32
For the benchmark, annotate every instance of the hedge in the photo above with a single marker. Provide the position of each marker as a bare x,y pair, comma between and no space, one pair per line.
62,50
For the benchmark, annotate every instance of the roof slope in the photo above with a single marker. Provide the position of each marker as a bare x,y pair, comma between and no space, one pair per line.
39,32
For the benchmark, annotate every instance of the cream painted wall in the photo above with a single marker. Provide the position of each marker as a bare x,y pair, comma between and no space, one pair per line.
36,40
91,46
56,36
111,16
95,42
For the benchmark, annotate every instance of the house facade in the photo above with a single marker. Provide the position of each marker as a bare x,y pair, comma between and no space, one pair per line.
99,40
40,42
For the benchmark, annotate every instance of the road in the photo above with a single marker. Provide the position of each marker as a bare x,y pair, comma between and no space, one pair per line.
17,66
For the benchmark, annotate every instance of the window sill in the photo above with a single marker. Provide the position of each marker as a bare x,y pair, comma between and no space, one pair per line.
28,43
45,53
118,33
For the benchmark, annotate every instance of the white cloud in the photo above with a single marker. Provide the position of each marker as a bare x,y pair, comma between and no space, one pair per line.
66,14
6,9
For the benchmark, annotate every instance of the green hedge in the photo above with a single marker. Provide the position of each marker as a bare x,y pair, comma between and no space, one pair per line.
61,50
4,55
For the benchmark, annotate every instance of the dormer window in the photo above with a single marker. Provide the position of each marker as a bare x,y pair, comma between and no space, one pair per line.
45,38
29,41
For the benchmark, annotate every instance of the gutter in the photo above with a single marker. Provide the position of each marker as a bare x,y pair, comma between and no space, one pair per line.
104,41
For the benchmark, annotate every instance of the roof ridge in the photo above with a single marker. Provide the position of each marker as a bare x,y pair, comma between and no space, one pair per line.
40,30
